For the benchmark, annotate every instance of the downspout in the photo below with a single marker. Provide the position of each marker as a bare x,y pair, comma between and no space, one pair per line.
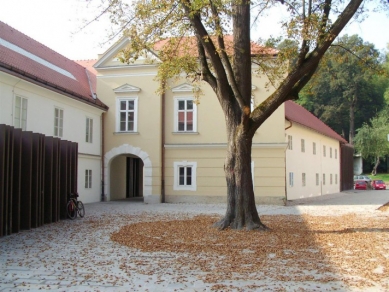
163,142
286,183
102,159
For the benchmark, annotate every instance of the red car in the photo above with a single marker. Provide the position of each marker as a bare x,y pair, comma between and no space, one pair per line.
378,185
360,185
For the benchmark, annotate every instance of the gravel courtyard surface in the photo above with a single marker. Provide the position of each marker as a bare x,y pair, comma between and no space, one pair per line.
131,246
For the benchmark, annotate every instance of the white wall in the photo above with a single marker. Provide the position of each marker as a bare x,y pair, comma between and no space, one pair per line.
40,119
299,162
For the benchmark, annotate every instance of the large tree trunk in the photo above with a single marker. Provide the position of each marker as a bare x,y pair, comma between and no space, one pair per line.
241,209
374,172
352,120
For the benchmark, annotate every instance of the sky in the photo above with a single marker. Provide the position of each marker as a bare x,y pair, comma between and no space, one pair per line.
57,23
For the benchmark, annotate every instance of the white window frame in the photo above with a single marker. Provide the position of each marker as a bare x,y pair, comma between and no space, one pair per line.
20,114
290,142
118,111
303,179
176,101
324,150
303,145
324,179
58,122
89,130
317,179
291,179
176,184
314,148
88,178
330,178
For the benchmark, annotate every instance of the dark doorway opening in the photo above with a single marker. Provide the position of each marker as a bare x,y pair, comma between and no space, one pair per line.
134,178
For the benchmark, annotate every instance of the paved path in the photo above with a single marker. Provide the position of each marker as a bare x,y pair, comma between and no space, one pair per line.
79,255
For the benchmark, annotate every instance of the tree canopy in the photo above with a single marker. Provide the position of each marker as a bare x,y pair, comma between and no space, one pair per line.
348,88
371,140
209,41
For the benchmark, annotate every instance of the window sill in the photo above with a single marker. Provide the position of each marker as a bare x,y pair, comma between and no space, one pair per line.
185,133
124,133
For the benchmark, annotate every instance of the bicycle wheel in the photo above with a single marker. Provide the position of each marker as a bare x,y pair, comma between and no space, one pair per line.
71,208
80,209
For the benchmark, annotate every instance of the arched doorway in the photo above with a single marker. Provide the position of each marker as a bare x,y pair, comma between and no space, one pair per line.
127,173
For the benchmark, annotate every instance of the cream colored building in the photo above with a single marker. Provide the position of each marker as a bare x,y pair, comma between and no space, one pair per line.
313,166
167,148
180,145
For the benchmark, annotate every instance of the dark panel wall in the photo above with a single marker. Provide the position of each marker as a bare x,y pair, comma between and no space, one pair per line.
346,167
37,174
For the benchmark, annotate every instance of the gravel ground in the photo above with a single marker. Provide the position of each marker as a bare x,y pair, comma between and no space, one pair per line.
84,255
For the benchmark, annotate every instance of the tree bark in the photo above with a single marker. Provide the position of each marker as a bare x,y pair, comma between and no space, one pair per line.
352,119
374,171
241,209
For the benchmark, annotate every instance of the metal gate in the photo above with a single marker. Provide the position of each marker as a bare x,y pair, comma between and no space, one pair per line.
37,175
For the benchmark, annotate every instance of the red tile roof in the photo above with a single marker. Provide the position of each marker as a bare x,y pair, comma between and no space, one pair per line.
190,46
20,65
296,113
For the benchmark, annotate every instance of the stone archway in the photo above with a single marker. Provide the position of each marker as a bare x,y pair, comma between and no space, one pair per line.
147,169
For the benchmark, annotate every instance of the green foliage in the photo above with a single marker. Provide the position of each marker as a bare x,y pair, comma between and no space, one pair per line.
371,139
350,78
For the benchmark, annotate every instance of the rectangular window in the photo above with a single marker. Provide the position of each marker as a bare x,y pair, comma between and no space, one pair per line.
336,153
58,122
303,179
317,179
302,145
290,142
324,179
88,178
336,178
291,179
324,150
314,148
330,152
185,115
20,113
89,130
330,178
185,175
127,110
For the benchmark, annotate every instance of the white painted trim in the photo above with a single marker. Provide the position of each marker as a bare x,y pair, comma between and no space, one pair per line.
126,88
176,100
135,99
224,145
185,87
147,168
176,185
126,75
111,52
125,66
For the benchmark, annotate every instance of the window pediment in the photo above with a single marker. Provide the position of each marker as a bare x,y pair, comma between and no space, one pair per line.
126,88
185,87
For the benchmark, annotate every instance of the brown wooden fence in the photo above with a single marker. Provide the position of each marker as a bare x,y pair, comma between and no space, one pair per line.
346,167
37,175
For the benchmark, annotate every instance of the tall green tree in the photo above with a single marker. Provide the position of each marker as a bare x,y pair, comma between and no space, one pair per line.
347,90
371,140
210,41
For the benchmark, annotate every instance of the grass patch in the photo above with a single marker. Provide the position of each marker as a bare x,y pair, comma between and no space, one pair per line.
382,176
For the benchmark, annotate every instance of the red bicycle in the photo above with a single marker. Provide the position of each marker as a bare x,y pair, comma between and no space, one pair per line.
75,207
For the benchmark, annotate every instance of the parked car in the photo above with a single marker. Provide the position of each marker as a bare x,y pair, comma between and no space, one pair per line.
362,177
378,184
360,185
